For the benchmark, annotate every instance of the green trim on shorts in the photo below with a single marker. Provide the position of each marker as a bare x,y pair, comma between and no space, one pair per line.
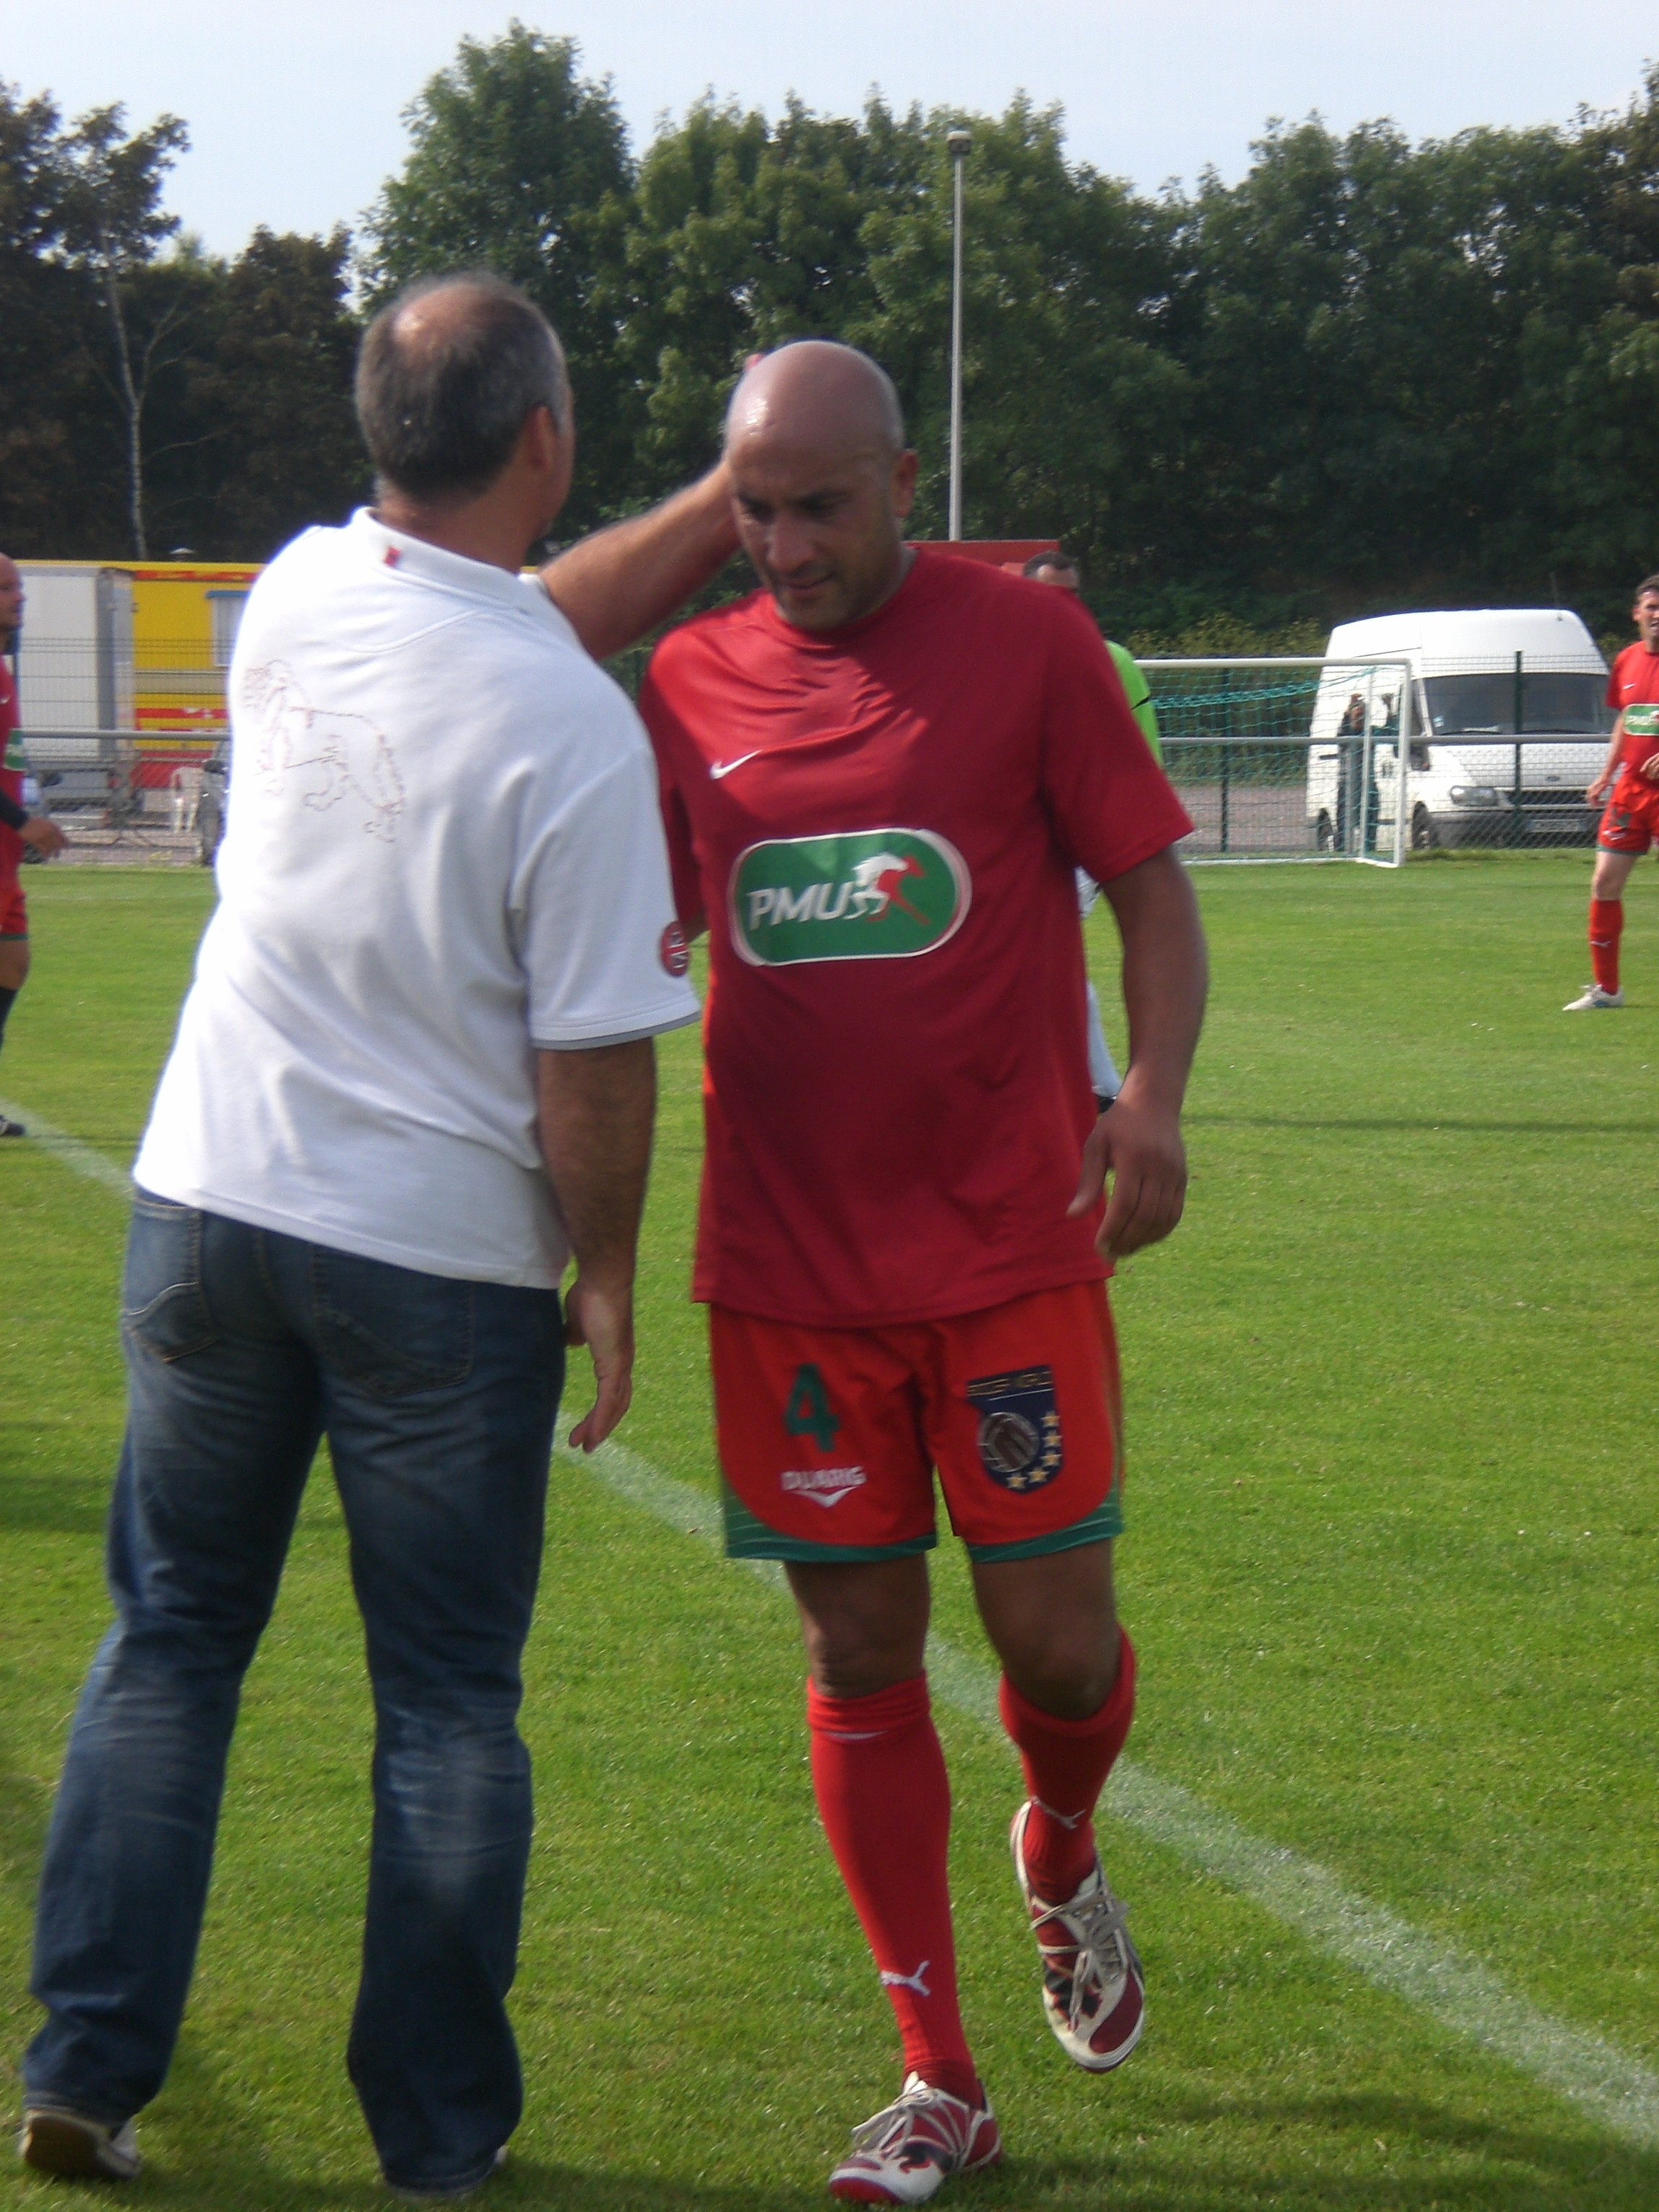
748,1537
1096,1527
13,937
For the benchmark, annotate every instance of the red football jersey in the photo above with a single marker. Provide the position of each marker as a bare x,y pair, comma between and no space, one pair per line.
1633,680
880,825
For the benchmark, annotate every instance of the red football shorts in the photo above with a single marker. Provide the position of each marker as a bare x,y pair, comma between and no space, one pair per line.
14,916
829,1437
1631,823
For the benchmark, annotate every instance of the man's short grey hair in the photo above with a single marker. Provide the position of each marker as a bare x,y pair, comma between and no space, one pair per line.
442,397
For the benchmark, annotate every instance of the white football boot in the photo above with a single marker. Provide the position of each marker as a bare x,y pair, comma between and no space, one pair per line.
902,2154
1093,1996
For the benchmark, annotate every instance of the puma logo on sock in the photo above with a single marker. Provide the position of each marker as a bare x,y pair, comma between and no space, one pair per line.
908,1981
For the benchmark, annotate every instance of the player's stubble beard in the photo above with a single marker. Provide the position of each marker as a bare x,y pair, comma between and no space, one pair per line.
838,594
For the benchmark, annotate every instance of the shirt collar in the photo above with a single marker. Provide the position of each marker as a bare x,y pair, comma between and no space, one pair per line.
433,564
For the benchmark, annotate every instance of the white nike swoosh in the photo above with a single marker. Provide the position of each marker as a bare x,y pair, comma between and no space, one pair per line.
718,768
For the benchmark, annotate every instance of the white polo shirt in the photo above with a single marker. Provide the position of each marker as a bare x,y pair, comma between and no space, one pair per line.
443,850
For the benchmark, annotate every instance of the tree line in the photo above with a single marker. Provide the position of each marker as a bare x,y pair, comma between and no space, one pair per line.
1369,374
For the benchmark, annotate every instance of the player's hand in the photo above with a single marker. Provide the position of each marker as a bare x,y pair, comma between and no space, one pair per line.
603,1320
43,833
1650,768
1141,1146
1597,791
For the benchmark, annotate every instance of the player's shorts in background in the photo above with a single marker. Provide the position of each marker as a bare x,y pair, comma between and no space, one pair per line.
829,1437
1631,823
14,915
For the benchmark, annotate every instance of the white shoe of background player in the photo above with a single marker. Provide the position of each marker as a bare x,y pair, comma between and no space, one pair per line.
1593,999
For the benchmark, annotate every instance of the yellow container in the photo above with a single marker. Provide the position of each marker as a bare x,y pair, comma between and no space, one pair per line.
185,615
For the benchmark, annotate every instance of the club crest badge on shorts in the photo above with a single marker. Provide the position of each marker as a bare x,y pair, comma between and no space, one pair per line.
1019,1443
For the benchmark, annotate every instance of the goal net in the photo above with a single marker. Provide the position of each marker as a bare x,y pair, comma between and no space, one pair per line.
1282,759
1285,759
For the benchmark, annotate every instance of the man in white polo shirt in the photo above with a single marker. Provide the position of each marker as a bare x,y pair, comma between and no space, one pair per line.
414,1075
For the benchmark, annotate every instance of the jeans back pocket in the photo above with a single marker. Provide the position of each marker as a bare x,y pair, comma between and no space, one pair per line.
164,1307
391,1331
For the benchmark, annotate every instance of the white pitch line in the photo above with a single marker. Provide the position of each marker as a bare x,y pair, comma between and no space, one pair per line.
1454,1988
1451,1987
72,1152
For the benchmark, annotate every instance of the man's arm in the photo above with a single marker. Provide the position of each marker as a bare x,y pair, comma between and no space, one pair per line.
1610,766
37,829
1165,978
621,582
594,1111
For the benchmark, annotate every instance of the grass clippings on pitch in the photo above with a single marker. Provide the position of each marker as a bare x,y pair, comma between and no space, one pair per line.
1391,1568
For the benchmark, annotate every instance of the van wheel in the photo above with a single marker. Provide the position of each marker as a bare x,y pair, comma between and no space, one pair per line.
1425,836
1324,835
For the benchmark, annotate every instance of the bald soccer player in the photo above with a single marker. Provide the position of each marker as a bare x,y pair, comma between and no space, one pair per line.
18,827
878,774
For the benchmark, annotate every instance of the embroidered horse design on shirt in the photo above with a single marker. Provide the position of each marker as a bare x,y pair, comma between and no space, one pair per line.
336,756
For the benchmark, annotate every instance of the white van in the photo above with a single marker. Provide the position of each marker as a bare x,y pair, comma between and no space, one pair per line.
1508,724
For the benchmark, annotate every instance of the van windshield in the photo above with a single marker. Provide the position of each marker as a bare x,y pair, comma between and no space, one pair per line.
1563,703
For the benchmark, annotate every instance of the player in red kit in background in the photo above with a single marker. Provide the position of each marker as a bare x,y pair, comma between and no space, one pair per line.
878,774
1631,823
18,827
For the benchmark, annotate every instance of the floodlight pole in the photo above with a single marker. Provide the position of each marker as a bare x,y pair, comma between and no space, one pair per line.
956,144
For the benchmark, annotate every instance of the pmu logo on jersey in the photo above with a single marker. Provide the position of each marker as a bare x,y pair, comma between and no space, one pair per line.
1642,721
857,895
1019,1444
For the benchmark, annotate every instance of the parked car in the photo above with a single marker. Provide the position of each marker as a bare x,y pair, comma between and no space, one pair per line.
84,772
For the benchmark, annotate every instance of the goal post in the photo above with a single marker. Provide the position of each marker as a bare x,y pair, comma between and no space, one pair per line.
1297,758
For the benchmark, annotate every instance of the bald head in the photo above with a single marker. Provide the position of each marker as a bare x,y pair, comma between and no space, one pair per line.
830,396
821,481
446,379
11,595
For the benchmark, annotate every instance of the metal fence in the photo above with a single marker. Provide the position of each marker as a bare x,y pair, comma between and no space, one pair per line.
1292,759
123,740
172,690
114,801
1283,759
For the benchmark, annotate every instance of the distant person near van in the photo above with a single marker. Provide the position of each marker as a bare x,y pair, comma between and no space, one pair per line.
1631,824
18,827
1058,567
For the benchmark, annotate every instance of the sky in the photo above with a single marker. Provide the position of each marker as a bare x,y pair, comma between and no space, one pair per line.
294,109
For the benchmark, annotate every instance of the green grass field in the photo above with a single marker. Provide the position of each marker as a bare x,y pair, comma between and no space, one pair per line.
1391,1567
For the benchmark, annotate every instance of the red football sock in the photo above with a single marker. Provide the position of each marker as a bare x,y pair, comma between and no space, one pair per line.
1607,919
883,1796
1066,1764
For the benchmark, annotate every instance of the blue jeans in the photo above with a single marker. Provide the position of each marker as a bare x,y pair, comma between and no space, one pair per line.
438,1398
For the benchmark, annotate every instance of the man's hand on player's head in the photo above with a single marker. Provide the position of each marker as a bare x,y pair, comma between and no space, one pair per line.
603,1321
43,834
1141,1146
